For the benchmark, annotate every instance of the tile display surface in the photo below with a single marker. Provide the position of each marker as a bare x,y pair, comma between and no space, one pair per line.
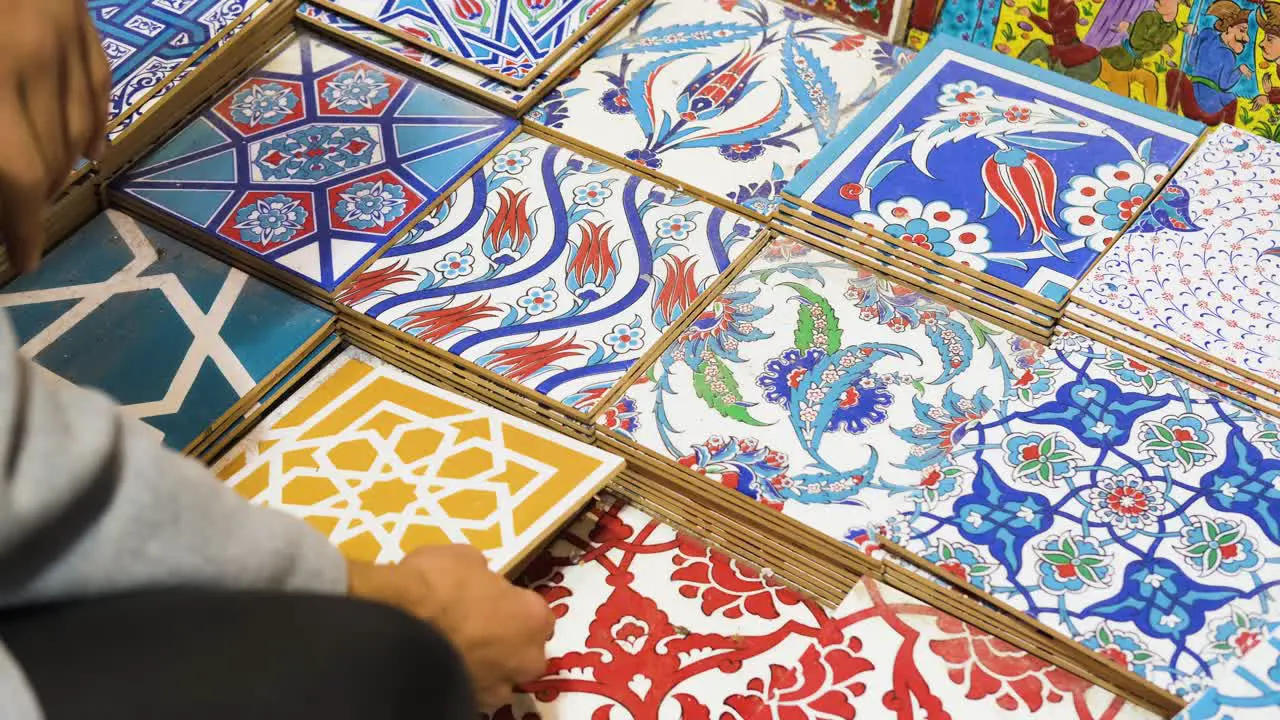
653,624
316,161
824,391
1248,690
173,335
1132,511
1200,268
728,98
146,40
997,166
511,39
553,270
383,463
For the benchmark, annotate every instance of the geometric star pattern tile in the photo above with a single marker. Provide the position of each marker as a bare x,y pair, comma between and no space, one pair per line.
731,98
383,463
1199,268
996,166
654,624
315,161
145,40
1119,504
550,269
1248,690
508,40
173,335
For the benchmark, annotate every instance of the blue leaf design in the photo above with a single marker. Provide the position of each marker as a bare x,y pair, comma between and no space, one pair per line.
1144,150
755,131
683,37
827,492
953,363
811,83
882,172
638,95
991,207
1041,143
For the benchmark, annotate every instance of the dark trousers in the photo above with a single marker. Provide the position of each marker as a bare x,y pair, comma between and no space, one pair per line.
235,656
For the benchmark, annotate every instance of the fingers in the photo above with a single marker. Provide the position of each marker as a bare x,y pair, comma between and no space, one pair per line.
22,187
42,101
98,77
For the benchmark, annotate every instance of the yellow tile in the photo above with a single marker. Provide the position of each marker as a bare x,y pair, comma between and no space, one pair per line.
470,504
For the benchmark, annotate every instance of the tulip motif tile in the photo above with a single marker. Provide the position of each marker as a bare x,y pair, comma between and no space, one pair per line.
728,98
553,270
822,390
997,166
316,161
1115,502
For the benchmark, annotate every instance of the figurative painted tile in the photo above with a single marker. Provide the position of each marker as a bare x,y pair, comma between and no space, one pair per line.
383,463
653,624
730,98
886,18
173,335
1200,267
1134,512
317,160
146,40
997,165
1248,690
551,269
510,38
1224,76
822,390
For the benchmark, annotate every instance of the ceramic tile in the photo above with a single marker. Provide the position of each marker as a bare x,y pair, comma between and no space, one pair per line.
383,463
553,270
146,40
1199,269
1040,175
1248,690
886,18
173,335
509,39
1130,510
728,98
316,161
821,390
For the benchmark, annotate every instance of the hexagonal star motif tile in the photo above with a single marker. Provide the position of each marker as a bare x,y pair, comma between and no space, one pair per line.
316,161
383,463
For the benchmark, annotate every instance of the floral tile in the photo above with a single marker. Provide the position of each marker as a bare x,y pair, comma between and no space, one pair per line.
728,98
1199,268
146,40
1129,509
1247,690
316,161
653,624
822,390
1040,174
500,91
551,269
383,463
886,18
173,335
511,39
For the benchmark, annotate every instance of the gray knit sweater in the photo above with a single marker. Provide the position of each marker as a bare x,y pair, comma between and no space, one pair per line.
90,504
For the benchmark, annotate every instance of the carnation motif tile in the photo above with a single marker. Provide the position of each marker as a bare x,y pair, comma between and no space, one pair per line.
513,41
996,167
175,336
821,390
886,18
1247,690
1199,269
147,40
727,98
553,270
1127,508
316,161
653,624
383,463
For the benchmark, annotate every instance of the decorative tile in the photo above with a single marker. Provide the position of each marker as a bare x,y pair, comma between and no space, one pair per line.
821,390
173,335
316,161
146,40
1199,268
551,269
383,463
652,624
1128,509
729,98
1057,169
511,40
1248,690
885,18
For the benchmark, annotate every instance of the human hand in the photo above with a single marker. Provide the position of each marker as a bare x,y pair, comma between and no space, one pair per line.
1244,70
1168,49
1266,84
1122,27
1259,102
1024,11
500,630
54,89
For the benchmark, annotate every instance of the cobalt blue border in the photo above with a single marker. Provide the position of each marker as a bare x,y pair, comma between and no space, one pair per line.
898,85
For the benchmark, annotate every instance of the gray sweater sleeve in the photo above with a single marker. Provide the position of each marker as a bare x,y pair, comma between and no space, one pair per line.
90,504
